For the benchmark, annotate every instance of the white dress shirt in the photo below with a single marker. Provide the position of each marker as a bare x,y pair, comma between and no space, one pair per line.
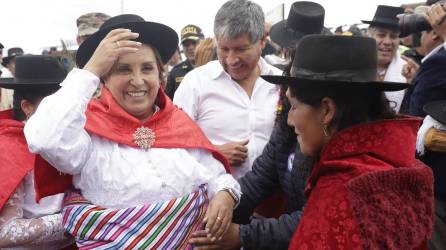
225,112
111,174
394,74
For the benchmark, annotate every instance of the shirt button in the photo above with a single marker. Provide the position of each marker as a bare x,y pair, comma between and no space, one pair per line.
163,184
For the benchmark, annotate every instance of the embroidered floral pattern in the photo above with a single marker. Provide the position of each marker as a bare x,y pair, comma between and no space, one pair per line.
144,137
328,224
16,230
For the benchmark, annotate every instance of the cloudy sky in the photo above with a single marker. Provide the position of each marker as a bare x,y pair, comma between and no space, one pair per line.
36,25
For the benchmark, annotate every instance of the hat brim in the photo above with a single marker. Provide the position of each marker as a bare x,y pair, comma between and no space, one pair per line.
11,83
192,38
283,36
385,25
305,83
160,36
436,110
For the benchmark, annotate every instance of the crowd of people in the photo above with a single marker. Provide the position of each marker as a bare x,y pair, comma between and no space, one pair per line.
283,136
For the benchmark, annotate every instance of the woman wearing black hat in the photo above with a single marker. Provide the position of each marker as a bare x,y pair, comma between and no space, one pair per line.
366,189
25,224
142,168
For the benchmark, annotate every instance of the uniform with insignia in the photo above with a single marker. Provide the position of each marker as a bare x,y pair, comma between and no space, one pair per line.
176,75
190,36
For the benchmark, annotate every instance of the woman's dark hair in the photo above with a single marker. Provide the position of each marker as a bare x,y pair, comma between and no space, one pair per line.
32,95
354,105
284,105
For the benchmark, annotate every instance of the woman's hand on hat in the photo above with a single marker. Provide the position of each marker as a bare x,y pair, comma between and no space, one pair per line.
218,216
116,43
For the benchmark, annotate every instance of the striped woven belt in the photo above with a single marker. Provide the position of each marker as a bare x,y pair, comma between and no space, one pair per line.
162,225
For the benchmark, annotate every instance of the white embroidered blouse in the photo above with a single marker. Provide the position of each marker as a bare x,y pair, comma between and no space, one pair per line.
25,224
111,174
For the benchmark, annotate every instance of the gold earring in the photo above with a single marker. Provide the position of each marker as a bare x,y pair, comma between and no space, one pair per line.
325,129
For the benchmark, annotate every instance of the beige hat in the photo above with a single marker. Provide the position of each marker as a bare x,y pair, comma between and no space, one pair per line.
89,23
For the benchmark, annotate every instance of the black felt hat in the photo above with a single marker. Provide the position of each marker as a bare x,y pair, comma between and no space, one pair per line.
304,18
386,17
12,52
335,61
36,71
160,36
436,110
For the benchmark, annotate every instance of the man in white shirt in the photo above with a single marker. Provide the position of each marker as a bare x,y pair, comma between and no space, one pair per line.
384,29
227,98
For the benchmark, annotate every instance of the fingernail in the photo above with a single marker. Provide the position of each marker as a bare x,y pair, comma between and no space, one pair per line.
213,239
138,43
207,230
221,237
209,235
136,34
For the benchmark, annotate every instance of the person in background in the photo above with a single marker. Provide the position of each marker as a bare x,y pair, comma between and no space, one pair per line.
366,189
204,52
191,35
305,18
227,98
132,152
384,29
9,61
24,223
88,24
429,83
431,149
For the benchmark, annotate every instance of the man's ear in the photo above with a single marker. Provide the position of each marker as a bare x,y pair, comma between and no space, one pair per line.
328,110
263,41
436,37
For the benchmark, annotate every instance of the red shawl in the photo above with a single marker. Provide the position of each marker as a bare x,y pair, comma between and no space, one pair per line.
173,129
16,160
367,191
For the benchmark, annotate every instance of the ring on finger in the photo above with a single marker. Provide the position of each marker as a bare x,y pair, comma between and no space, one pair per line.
118,44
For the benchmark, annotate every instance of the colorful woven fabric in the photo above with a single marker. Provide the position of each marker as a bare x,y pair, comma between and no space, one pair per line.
162,225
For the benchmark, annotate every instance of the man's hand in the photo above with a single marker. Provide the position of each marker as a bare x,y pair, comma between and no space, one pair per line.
409,69
436,16
231,240
236,152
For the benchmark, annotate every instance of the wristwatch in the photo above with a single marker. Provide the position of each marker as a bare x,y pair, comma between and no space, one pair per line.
234,196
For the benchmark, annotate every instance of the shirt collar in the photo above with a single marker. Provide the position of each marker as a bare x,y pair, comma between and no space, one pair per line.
433,51
265,69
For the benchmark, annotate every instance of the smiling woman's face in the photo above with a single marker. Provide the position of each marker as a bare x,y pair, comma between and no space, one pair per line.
134,82
307,124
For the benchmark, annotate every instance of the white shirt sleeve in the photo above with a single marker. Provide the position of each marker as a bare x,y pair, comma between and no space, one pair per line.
218,178
56,130
187,95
